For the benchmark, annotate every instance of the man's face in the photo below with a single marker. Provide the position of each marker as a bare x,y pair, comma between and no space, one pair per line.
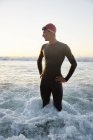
46,35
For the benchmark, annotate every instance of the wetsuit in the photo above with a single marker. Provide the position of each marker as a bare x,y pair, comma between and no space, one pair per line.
54,57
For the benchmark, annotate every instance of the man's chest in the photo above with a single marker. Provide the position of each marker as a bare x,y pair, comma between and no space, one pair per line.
52,52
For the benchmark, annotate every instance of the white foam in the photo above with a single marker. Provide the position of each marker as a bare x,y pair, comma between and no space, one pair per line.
20,137
36,121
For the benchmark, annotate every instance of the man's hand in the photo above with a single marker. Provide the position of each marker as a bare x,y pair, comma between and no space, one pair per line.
41,76
60,79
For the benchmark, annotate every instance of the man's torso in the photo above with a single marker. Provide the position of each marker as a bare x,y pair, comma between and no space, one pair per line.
54,57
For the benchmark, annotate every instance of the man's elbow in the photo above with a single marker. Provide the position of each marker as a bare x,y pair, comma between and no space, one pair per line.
74,64
38,61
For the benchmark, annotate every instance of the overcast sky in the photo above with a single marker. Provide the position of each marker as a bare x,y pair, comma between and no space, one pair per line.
21,24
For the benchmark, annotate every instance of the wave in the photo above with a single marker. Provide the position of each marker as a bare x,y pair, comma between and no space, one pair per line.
79,59
18,58
37,123
85,59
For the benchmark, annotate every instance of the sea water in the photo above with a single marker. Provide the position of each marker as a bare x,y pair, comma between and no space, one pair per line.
22,116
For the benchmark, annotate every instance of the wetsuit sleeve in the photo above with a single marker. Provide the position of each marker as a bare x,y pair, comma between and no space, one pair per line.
39,61
72,61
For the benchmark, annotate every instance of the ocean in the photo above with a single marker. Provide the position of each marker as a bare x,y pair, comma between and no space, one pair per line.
21,114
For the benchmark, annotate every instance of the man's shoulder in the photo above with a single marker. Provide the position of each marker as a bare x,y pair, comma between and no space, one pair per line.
62,45
44,46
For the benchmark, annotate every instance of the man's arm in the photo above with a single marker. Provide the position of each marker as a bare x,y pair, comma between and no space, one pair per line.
39,61
71,70
72,61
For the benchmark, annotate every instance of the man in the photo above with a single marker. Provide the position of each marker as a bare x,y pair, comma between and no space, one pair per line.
54,53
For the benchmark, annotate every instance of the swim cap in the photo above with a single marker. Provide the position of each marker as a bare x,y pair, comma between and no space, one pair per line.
50,27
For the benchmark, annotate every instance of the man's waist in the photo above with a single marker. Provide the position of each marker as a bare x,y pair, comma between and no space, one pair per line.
52,75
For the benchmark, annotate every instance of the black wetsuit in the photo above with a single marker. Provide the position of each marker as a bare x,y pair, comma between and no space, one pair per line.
54,57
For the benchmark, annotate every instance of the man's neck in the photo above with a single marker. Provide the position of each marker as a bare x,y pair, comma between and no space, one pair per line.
52,41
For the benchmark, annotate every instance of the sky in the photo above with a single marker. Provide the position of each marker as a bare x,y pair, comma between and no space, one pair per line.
21,23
